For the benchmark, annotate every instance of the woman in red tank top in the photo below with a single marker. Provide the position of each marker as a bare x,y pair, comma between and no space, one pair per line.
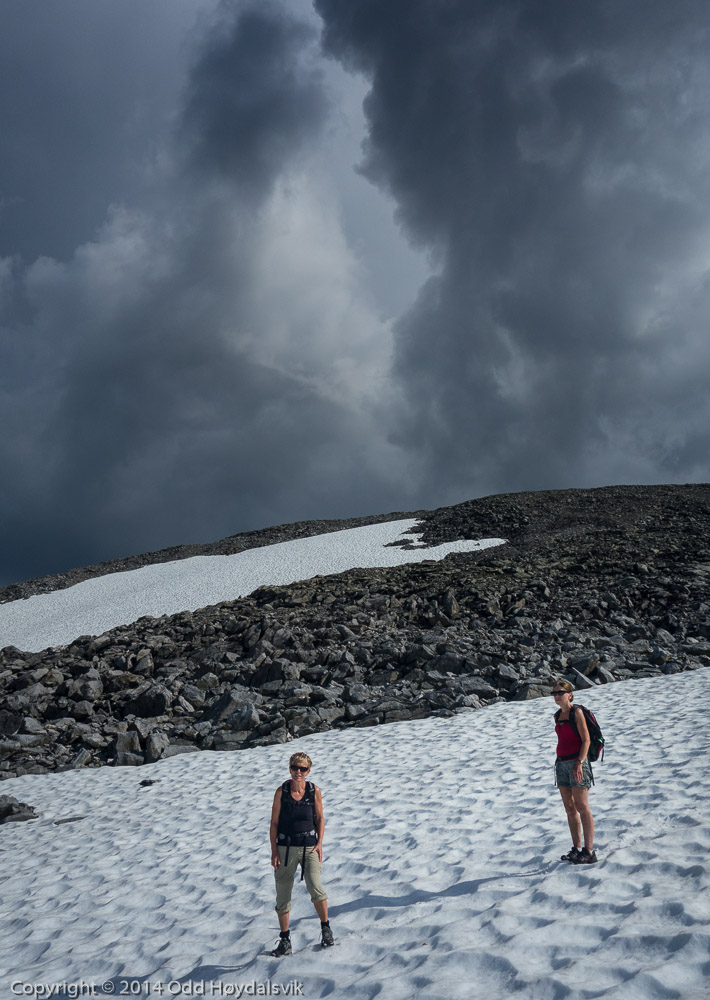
573,773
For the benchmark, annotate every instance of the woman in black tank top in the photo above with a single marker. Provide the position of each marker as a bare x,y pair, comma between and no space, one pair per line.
296,834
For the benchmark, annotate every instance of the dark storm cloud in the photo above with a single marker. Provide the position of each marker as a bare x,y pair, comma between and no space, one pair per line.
554,157
253,104
139,399
81,98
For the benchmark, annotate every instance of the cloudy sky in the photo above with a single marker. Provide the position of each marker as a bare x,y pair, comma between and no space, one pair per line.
266,260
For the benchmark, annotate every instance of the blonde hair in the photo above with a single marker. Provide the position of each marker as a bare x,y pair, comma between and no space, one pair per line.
566,685
300,758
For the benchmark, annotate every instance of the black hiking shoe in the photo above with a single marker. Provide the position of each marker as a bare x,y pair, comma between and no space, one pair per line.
585,857
571,855
283,947
326,936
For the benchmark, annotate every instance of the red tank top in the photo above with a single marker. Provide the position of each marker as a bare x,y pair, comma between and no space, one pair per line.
568,740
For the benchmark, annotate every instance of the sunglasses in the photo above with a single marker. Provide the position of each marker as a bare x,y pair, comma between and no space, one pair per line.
556,693
300,767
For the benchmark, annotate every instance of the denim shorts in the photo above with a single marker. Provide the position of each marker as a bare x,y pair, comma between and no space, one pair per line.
564,778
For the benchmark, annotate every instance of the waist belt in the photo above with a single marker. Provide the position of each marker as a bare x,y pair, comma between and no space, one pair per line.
307,833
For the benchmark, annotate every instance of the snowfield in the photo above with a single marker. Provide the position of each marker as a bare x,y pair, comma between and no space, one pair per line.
95,606
441,848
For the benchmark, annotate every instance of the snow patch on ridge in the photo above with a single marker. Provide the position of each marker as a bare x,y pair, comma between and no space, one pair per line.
94,606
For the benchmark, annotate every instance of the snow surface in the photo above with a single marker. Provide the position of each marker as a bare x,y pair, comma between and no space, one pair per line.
95,606
441,847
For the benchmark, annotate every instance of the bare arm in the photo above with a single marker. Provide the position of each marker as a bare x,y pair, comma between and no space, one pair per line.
584,748
320,824
274,828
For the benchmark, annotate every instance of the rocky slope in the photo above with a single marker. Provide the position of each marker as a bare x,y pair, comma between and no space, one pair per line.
594,585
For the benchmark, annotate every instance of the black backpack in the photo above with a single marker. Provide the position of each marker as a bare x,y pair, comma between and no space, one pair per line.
596,739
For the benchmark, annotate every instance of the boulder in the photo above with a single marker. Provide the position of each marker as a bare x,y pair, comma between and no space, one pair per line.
13,811
10,722
127,750
151,701
193,694
245,718
156,745
224,706
80,758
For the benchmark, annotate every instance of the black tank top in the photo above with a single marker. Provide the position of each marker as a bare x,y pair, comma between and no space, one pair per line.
297,819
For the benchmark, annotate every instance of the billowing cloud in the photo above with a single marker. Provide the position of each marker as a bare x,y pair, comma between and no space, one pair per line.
206,362
554,158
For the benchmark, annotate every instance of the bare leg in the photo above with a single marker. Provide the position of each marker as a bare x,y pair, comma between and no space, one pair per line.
322,909
570,805
283,921
580,797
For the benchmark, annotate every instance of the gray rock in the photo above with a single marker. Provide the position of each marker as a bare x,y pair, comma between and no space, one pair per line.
245,718
224,706
29,700
527,690
664,638
90,689
699,648
451,605
156,745
330,714
229,740
13,811
32,726
194,694
30,739
207,681
82,709
640,647
449,663
143,727
80,758
584,664
175,749
127,743
100,643
580,680
152,701
144,663
354,711
10,722
481,687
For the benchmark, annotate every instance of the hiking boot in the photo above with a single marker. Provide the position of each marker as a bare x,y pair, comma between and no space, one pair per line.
326,936
283,947
585,857
571,855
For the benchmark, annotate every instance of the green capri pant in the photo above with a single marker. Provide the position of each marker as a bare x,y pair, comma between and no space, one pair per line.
284,875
